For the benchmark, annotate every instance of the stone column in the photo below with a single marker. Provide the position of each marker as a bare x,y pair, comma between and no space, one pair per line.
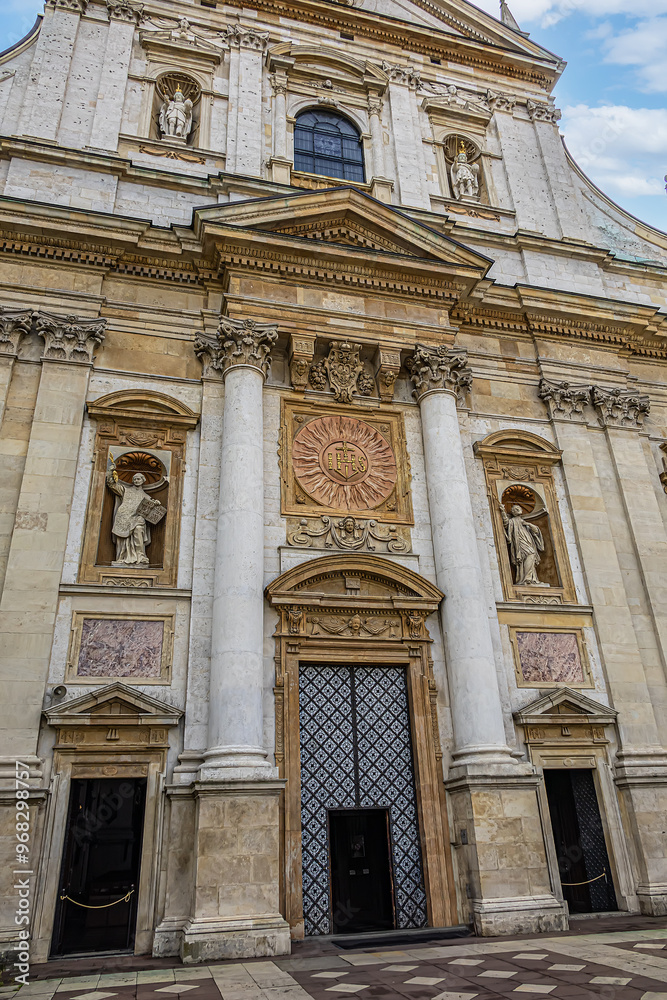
281,165
235,727
123,18
502,857
236,866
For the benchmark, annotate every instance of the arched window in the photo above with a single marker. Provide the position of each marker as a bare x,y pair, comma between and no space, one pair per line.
327,143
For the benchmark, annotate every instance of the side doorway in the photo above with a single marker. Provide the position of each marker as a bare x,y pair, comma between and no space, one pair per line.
97,894
362,895
583,859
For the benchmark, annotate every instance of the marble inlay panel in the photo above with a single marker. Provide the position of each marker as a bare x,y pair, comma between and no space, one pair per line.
116,647
551,657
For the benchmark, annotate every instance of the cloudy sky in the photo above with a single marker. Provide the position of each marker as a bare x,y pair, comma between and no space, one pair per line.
612,93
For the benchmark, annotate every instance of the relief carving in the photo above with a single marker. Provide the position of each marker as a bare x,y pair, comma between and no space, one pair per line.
563,398
69,338
344,463
347,533
344,370
14,325
356,626
623,407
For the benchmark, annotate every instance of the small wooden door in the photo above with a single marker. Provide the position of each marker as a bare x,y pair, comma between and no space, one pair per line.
360,865
100,866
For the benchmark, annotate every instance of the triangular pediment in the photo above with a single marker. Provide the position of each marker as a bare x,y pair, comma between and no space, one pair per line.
564,703
115,703
340,216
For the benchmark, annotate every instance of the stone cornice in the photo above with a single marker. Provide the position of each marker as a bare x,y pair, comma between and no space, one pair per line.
237,343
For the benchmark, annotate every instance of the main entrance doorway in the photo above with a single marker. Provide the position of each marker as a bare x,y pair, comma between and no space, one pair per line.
360,861
97,897
583,860
358,801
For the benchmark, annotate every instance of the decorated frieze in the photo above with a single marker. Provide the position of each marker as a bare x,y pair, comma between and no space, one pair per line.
340,623
347,534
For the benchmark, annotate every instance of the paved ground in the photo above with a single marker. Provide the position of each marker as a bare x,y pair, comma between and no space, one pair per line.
606,965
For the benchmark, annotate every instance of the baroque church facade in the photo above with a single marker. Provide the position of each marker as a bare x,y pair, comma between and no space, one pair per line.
333,526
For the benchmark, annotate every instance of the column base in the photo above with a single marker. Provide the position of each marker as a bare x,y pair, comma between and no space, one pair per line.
281,169
381,188
519,915
652,899
236,763
207,939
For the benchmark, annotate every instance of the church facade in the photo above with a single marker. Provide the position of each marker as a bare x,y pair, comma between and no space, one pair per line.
333,526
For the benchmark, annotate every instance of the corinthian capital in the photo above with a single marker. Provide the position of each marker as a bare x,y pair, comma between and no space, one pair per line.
248,38
564,399
620,407
74,6
14,325
237,342
439,368
68,338
123,10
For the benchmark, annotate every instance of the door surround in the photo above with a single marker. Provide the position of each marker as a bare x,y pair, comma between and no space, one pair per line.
363,609
113,732
567,729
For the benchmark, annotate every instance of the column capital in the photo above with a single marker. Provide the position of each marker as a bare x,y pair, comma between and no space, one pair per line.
564,400
620,407
69,338
247,38
74,6
123,10
14,325
441,368
237,342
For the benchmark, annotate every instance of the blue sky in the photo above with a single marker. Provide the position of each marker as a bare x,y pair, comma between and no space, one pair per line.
612,93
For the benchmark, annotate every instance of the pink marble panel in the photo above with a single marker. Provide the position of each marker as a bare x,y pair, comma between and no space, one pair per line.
120,648
550,657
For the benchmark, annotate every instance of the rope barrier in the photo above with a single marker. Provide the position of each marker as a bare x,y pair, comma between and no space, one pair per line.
102,906
588,881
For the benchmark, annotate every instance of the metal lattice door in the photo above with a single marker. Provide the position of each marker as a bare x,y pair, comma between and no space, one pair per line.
356,752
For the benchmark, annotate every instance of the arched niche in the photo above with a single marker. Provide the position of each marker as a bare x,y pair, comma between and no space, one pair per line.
361,610
141,431
518,467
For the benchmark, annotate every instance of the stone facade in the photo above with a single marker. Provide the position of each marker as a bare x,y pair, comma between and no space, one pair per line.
340,392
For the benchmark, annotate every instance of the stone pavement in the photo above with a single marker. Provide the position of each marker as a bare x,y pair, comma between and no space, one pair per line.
625,965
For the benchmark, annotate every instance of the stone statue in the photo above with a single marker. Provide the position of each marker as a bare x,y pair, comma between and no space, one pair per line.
130,529
176,117
465,176
525,543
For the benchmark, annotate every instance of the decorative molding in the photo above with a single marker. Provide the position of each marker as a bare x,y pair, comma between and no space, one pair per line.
542,112
69,338
278,83
237,342
15,324
564,399
124,10
349,534
620,407
344,370
172,154
247,38
439,368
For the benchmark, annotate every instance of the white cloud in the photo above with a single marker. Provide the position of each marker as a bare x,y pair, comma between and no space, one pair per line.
623,150
548,12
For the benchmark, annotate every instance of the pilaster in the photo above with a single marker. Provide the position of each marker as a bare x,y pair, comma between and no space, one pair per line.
123,19
245,139
403,81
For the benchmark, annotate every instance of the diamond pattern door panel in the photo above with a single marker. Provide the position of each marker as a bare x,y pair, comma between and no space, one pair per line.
356,752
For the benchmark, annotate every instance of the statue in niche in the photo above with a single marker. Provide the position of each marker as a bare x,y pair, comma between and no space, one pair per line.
176,116
525,542
134,513
465,176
